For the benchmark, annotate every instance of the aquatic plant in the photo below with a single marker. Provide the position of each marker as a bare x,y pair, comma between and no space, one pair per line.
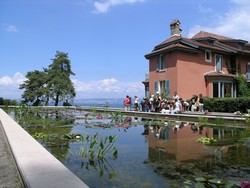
220,121
202,120
211,182
206,140
95,147
38,135
116,116
21,113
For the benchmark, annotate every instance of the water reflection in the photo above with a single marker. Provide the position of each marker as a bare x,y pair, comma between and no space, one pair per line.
164,152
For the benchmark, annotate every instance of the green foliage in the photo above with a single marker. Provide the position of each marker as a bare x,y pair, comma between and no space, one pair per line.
35,87
116,116
59,82
38,135
95,147
7,102
202,120
227,104
206,140
242,88
53,83
208,181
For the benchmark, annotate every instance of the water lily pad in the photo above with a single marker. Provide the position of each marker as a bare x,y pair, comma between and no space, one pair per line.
200,179
217,181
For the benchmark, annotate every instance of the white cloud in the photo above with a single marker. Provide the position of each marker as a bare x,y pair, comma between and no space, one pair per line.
234,23
16,80
106,88
9,86
104,6
11,28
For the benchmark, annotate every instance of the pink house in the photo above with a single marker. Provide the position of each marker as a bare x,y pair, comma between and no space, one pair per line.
206,63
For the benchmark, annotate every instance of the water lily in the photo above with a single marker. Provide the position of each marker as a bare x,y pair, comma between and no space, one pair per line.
99,116
125,125
245,184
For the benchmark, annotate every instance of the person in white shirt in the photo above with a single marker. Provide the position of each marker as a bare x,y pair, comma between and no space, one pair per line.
178,106
176,96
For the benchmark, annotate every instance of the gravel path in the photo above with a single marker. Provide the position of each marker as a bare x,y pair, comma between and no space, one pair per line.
9,177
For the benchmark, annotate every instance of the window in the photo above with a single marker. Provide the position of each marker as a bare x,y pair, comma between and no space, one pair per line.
248,71
163,87
224,89
161,62
218,63
208,56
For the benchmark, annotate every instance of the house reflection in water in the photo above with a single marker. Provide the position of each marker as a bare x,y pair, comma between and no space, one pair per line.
179,142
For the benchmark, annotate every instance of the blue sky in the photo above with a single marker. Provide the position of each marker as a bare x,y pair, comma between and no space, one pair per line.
106,40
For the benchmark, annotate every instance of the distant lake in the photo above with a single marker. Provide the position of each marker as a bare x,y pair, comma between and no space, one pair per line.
100,102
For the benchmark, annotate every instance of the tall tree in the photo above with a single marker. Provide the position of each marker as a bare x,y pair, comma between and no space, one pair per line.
35,87
60,86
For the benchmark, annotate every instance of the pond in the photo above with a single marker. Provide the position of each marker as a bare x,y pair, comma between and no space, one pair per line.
150,153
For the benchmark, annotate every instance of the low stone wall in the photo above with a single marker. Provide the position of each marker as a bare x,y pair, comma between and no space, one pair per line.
38,168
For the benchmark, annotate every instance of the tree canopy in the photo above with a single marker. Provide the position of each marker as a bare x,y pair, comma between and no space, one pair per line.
53,83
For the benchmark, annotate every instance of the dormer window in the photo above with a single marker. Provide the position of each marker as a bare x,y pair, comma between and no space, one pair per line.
208,57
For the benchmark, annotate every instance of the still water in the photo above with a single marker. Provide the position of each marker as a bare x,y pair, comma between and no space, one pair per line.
150,154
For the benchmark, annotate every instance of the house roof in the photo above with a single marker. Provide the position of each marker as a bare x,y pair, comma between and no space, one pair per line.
204,34
218,74
200,41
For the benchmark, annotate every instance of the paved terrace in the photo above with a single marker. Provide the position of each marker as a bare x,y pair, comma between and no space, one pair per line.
35,165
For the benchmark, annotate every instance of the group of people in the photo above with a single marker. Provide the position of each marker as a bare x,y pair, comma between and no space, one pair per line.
156,104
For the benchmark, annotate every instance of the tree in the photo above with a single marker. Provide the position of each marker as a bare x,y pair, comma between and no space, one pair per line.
243,89
52,83
59,84
35,87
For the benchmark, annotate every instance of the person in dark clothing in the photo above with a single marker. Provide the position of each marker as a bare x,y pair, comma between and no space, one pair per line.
157,103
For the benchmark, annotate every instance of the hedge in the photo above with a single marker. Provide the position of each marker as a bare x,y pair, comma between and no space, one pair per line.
227,104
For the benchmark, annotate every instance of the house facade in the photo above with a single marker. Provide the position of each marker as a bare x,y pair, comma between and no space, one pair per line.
204,64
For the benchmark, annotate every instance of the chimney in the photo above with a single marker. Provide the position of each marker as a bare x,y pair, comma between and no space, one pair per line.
175,29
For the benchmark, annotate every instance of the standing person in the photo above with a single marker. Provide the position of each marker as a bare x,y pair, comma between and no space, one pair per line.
146,105
176,96
126,103
178,106
200,102
193,104
136,103
151,101
130,103
157,103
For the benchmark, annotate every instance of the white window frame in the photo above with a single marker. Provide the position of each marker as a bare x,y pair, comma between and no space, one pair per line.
161,63
162,86
210,56
221,93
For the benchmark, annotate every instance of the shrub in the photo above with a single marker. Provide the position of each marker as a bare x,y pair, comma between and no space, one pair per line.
227,104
